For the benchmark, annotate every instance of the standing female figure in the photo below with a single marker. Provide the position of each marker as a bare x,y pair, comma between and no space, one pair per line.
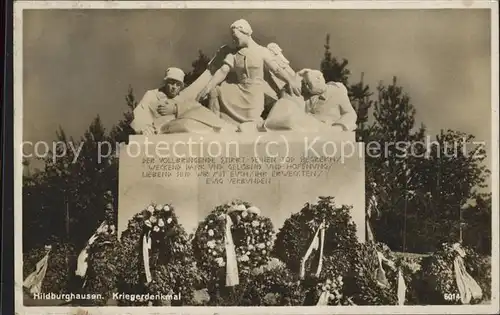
243,101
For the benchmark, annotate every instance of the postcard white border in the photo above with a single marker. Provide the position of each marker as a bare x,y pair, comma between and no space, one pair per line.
19,6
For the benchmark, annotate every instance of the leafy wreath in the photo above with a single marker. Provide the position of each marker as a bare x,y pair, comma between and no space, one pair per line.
155,237
275,286
369,283
251,233
298,231
101,274
328,288
61,262
439,276
344,271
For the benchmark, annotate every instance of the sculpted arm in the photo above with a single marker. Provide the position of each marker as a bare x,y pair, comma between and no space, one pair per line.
338,103
148,101
144,114
218,77
281,72
348,115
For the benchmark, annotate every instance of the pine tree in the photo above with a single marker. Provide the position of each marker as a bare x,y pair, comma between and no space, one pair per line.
199,66
360,96
477,228
455,176
44,196
66,201
359,93
422,193
87,174
334,70
119,136
392,168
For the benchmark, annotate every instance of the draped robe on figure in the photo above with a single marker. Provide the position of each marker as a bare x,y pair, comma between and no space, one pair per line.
257,92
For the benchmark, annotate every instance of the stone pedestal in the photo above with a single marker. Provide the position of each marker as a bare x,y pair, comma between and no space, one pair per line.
277,172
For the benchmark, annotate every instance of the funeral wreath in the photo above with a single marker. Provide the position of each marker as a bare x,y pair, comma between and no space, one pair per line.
155,258
230,242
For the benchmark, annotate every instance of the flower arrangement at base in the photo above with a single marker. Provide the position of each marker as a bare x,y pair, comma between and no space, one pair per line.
230,242
298,231
60,264
100,277
372,278
327,288
353,276
275,286
177,281
329,292
440,271
155,259
411,269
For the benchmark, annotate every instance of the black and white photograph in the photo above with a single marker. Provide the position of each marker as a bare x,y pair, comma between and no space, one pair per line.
207,157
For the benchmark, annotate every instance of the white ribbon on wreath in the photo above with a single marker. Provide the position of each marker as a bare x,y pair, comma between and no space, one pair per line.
382,278
467,286
82,261
232,274
34,281
146,247
318,242
380,273
401,288
232,277
146,237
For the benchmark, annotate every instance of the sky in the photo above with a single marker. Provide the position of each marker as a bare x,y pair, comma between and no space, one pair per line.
80,63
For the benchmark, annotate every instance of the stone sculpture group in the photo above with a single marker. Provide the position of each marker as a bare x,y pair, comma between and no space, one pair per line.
241,82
